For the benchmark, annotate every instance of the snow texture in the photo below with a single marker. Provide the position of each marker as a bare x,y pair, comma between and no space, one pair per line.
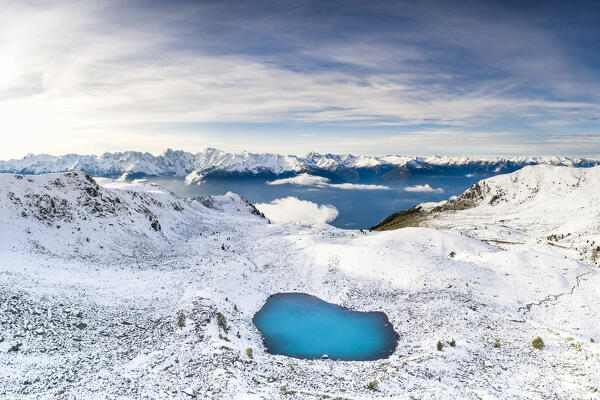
118,290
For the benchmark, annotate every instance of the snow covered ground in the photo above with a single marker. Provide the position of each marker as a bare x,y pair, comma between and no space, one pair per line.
113,290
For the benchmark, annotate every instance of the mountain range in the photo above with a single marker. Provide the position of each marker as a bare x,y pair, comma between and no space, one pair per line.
218,163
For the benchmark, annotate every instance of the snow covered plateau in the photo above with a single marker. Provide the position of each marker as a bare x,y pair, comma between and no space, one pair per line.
122,290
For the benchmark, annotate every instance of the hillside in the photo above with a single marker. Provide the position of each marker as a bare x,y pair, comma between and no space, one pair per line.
537,205
70,214
159,302
217,163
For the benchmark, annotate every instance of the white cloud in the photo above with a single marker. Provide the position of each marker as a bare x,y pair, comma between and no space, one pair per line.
423,189
74,78
355,186
302,179
194,177
305,179
292,209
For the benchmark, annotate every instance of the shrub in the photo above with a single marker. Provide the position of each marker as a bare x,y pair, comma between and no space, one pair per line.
440,345
538,343
222,322
596,254
497,343
249,352
181,320
452,343
225,338
592,340
373,385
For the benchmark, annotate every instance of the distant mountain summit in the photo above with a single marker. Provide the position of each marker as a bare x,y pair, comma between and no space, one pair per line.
218,163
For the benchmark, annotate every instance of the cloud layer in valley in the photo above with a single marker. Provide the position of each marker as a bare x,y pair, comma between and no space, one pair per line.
292,209
423,189
305,179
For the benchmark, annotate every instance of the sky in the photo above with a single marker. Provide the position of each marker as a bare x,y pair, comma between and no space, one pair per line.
365,77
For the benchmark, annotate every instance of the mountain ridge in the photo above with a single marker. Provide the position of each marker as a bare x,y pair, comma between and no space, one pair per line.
558,204
218,163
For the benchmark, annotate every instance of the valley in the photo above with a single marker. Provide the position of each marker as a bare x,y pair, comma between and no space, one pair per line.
122,290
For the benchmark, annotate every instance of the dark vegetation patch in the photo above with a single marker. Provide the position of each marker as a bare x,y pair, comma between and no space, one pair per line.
401,219
416,216
538,343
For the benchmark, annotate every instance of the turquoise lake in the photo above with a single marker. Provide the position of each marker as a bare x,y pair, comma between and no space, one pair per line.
303,326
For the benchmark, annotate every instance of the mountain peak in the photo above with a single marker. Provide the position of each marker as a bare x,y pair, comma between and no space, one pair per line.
180,163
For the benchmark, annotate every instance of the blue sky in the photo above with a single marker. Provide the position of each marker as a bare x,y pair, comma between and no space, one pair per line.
376,77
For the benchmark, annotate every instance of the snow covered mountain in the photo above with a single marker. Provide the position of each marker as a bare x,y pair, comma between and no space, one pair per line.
556,206
112,289
70,214
217,162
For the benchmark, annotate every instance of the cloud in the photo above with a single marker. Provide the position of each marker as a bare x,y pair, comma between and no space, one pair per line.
305,179
194,177
423,189
356,186
292,209
105,75
302,179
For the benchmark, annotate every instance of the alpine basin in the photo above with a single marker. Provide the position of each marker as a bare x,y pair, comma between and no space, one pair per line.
303,326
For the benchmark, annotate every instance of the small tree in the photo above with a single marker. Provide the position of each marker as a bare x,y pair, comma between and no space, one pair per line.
452,343
222,322
440,345
249,352
181,320
373,385
497,343
538,343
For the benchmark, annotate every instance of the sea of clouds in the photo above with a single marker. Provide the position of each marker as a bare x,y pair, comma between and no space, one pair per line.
305,179
291,209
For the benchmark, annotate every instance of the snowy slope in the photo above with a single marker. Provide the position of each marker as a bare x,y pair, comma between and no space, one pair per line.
181,164
138,317
541,210
68,214
542,206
